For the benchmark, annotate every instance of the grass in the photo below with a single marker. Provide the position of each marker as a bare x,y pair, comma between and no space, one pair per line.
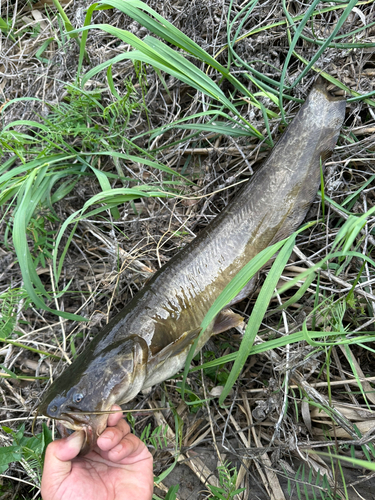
73,162
50,168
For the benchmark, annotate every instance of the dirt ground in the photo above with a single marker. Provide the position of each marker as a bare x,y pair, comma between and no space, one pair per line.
269,435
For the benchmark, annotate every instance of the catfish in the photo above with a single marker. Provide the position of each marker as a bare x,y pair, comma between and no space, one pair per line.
149,340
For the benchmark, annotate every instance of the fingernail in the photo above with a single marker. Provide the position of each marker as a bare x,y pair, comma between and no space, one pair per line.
108,435
76,438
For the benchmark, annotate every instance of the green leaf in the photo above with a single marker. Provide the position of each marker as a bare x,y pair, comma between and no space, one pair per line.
172,492
9,454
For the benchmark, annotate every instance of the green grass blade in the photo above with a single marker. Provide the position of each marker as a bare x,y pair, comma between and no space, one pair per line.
293,43
217,128
357,192
258,313
109,198
105,185
317,266
145,161
349,357
292,338
26,123
354,461
29,348
297,296
319,52
19,99
30,195
165,30
156,53
230,292
111,84
214,114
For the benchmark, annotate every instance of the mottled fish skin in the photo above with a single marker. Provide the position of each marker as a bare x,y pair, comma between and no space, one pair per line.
148,341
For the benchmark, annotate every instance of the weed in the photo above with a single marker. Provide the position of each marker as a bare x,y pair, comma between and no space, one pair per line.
11,302
55,155
227,480
29,451
157,438
305,485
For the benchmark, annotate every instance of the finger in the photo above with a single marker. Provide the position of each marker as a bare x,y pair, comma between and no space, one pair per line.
129,450
57,463
112,436
114,418
64,450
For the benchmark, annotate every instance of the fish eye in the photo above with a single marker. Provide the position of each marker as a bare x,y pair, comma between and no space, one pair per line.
77,398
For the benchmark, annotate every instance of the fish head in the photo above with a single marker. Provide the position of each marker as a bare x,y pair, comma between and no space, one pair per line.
81,398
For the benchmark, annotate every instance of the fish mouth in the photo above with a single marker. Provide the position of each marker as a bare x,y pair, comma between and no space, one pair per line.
68,422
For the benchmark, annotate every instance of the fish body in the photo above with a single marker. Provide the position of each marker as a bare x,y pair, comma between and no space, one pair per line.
149,340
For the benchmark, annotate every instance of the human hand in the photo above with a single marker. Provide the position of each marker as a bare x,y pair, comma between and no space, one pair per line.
119,467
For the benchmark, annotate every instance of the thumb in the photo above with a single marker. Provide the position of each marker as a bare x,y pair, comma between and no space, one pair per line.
57,462
66,449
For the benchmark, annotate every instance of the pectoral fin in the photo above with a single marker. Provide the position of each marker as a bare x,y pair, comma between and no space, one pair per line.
175,348
225,320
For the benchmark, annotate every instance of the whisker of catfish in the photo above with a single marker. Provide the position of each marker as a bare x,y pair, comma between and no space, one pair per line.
34,420
105,412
